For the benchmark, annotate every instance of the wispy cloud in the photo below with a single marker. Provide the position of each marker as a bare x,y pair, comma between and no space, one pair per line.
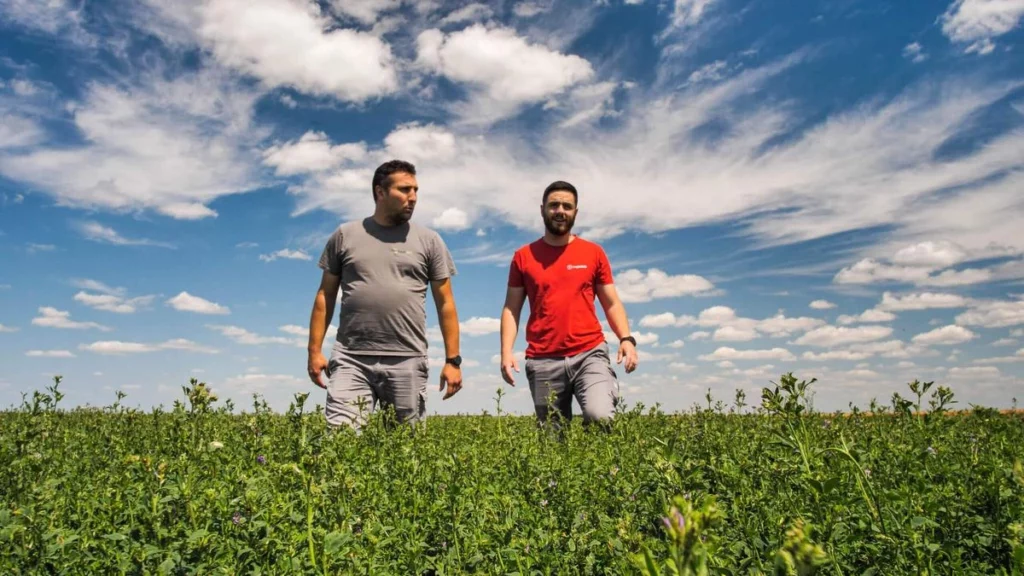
49,354
99,233
50,317
116,347
287,254
186,302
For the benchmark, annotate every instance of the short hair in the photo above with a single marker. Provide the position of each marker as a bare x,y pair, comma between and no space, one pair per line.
560,185
382,176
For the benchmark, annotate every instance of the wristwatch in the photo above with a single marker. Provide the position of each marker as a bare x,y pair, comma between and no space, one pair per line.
629,339
455,361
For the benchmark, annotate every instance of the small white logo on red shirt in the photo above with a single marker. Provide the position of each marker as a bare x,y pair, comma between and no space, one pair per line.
576,267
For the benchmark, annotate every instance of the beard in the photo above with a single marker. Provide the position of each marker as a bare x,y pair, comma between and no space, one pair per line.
559,228
400,217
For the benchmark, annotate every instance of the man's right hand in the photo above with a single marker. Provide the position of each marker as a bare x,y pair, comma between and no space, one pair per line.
315,366
508,364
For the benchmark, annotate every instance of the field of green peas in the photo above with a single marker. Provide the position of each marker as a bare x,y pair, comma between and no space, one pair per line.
771,488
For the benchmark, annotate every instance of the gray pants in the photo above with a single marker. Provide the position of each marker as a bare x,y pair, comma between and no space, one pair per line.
357,383
588,376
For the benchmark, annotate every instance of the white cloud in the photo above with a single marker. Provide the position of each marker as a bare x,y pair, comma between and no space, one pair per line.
733,328
920,301
311,153
186,302
99,233
528,9
7,329
687,13
779,325
978,21
699,335
946,335
832,336
1005,342
364,11
468,13
914,53
676,344
662,320
96,286
287,254
243,336
478,326
115,347
291,43
260,381
636,286
836,355
727,353
113,303
52,318
822,305
1018,333
18,131
994,314
849,156
868,316
708,72
153,142
503,70
49,354
734,334
452,219
52,16
972,372
930,255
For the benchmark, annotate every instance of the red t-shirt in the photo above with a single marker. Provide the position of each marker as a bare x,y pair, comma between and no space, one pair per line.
560,283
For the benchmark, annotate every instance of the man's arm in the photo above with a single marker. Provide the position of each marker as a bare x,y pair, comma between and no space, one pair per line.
619,323
510,313
448,317
319,320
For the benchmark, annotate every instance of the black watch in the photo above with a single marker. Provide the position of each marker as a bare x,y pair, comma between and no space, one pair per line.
629,339
456,361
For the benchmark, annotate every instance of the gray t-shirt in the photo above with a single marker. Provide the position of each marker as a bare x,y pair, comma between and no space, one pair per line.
384,274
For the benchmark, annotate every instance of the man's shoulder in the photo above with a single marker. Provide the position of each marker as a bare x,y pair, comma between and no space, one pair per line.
588,245
529,247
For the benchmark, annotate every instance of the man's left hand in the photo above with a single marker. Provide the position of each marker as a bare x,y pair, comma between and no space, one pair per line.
452,377
628,352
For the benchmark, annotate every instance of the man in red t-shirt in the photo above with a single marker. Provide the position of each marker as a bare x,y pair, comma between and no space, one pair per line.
566,354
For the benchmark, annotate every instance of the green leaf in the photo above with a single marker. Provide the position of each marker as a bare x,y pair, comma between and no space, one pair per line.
652,568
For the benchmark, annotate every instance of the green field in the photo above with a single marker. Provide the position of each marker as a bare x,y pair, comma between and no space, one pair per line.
770,488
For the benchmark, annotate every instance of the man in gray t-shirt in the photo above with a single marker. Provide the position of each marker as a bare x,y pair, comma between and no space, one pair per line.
382,265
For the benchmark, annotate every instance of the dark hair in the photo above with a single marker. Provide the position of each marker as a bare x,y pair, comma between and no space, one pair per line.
382,176
560,185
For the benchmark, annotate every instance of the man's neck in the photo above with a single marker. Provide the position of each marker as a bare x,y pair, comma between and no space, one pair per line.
383,220
555,240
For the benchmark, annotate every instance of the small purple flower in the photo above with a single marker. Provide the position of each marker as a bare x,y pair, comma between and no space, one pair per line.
261,459
552,484
932,451
544,502
679,520
236,519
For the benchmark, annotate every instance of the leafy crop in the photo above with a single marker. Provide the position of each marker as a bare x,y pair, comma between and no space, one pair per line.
779,489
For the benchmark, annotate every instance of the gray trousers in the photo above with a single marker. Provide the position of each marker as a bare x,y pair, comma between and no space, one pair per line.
588,377
358,383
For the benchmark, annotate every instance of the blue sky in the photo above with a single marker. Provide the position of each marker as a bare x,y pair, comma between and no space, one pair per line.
829,188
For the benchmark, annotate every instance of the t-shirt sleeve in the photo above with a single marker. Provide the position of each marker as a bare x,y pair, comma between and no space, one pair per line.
440,263
603,270
515,272
330,258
